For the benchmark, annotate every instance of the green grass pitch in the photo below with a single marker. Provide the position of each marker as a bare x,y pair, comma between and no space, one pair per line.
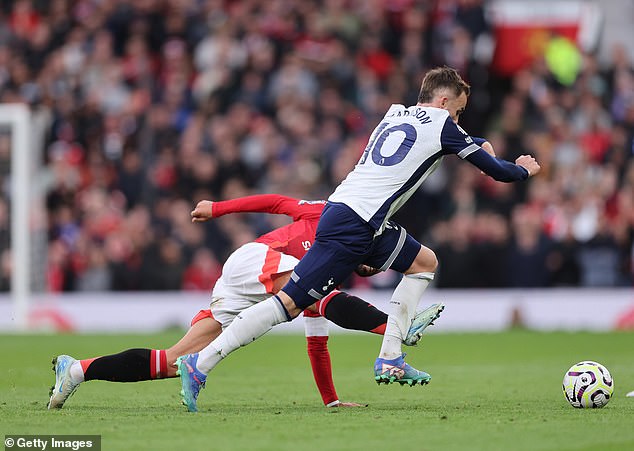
488,392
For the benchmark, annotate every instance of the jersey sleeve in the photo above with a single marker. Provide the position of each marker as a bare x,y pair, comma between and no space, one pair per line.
266,203
478,141
454,140
500,170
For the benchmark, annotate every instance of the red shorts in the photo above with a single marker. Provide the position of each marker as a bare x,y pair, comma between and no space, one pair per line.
201,315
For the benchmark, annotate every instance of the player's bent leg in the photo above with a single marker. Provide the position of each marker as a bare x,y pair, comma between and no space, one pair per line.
405,299
402,307
65,384
351,312
387,371
425,261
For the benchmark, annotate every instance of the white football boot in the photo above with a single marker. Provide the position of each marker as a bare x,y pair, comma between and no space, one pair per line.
64,386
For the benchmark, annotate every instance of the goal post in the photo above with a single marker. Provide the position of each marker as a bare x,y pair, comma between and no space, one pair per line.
28,244
16,117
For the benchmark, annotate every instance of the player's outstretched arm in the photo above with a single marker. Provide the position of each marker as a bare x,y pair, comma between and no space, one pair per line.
501,170
454,140
259,203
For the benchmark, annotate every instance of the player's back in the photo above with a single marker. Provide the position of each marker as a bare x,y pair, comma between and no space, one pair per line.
296,238
402,151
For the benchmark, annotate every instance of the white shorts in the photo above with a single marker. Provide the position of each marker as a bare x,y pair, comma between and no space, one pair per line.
247,279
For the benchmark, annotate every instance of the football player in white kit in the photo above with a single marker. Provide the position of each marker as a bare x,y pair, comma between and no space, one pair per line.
354,228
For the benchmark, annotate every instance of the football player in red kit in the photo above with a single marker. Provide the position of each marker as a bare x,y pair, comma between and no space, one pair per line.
251,274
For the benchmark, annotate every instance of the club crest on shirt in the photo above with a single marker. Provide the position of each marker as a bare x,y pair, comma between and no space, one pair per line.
467,139
330,283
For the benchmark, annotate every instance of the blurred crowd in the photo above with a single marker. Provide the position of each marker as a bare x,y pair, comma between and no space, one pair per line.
157,104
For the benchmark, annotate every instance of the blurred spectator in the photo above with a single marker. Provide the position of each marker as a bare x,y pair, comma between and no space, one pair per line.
158,104
203,272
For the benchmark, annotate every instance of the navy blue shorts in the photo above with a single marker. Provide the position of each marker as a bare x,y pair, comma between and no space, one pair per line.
342,242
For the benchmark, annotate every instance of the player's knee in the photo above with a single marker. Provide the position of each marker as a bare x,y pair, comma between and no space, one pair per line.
425,261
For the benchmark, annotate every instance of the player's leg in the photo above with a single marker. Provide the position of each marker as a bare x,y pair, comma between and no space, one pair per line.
241,287
352,312
131,365
255,321
418,263
342,239
341,242
250,275
316,329
405,299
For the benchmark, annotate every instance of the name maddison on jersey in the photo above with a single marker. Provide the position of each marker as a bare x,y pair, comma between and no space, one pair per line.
420,114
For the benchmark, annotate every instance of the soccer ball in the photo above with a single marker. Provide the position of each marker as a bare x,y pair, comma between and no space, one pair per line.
588,384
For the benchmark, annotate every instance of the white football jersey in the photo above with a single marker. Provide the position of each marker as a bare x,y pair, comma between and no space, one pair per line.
406,146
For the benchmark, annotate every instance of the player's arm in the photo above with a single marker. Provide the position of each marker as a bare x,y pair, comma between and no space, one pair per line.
262,203
455,140
502,170
486,145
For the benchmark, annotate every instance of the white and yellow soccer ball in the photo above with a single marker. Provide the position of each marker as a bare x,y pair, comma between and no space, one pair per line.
588,384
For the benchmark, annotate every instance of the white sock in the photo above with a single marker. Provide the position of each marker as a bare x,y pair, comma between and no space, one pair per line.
250,324
77,372
402,309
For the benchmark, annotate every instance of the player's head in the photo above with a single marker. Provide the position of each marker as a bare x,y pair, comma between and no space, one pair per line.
443,88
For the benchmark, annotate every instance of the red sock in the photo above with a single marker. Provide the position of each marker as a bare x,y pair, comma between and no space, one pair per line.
322,368
158,364
86,363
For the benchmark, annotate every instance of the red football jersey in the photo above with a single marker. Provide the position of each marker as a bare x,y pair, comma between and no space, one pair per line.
293,239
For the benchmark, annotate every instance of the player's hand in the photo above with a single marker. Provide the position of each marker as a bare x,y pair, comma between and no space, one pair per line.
349,404
366,271
202,212
529,163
